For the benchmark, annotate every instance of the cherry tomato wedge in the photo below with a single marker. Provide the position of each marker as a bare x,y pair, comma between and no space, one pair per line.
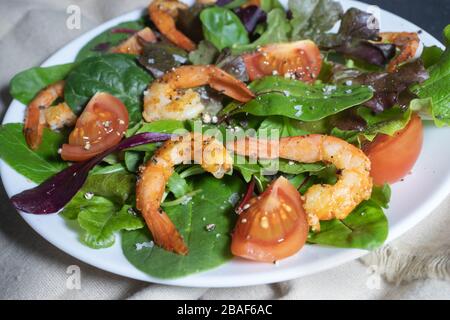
392,157
101,126
301,58
273,227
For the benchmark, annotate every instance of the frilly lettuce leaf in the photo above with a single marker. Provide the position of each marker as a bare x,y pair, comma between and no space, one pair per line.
99,219
436,90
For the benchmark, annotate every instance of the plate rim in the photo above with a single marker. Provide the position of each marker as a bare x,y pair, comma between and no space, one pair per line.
334,260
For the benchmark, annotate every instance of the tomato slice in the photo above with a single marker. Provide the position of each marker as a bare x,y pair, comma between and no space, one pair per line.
273,227
302,59
392,157
102,125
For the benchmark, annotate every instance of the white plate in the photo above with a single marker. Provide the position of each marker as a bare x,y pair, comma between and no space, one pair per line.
412,199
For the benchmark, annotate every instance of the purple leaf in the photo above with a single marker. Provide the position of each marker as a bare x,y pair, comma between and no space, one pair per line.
251,16
102,47
222,3
374,53
124,30
392,88
54,193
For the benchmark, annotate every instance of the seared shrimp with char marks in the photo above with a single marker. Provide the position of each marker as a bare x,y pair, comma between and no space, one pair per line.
407,42
213,157
40,113
163,14
170,97
321,202
135,43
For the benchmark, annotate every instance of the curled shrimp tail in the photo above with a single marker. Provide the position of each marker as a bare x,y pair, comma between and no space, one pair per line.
154,176
135,43
149,192
406,42
35,114
163,14
230,86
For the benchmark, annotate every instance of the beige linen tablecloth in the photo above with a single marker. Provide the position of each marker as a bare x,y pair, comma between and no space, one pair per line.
415,266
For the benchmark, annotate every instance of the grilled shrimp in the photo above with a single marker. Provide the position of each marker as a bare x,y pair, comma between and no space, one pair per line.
165,98
154,176
163,14
134,44
39,113
407,42
321,202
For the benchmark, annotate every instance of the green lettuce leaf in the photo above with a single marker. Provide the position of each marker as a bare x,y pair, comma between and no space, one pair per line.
116,74
437,87
99,219
35,165
207,249
387,122
312,18
26,84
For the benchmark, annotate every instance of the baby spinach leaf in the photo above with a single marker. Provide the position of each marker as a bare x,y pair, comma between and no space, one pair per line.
116,74
278,29
204,54
108,39
437,87
35,165
116,186
26,84
365,228
297,100
207,249
99,219
223,28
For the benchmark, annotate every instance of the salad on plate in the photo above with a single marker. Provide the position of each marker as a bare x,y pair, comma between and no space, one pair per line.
229,128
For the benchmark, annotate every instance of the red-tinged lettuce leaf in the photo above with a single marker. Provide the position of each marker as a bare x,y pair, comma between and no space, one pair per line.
374,53
392,88
54,193
352,40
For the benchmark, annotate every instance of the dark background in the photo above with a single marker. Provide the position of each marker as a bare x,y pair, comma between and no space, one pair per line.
431,15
